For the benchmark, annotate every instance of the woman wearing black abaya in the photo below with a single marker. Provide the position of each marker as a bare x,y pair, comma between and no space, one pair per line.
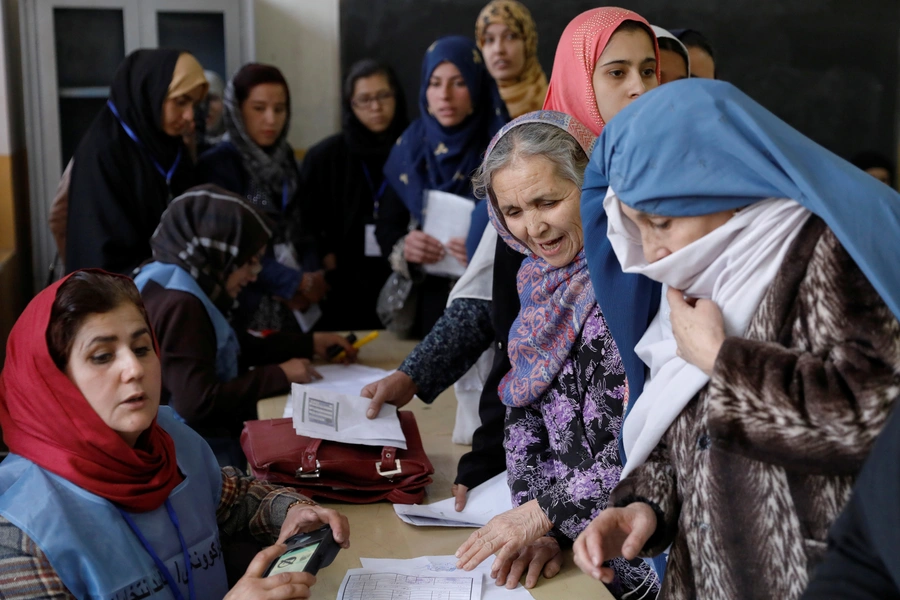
341,186
131,161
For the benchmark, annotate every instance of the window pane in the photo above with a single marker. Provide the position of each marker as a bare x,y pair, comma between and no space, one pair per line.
200,33
90,44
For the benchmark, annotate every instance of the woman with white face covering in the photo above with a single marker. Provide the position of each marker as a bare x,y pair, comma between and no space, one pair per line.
774,362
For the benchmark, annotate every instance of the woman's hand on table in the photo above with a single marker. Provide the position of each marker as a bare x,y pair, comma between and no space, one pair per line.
421,248
284,586
299,370
615,532
398,389
305,517
698,327
457,247
543,556
504,535
459,492
323,341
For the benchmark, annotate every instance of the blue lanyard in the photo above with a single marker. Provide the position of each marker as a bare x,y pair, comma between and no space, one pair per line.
167,174
284,194
159,563
376,196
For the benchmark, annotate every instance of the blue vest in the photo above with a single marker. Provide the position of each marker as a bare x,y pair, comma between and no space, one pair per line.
173,277
92,548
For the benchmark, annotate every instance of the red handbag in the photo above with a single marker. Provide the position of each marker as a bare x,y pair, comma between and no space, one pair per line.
335,470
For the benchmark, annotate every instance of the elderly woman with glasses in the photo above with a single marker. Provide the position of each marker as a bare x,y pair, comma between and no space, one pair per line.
207,247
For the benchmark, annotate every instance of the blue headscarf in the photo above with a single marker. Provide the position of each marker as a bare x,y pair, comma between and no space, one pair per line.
429,156
699,146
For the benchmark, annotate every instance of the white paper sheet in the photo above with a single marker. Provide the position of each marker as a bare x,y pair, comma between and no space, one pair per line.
447,564
482,504
346,379
338,417
397,584
446,216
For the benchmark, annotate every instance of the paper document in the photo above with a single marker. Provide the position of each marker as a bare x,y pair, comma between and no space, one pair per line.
483,503
447,564
346,379
446,216
339,417
285,255
368,584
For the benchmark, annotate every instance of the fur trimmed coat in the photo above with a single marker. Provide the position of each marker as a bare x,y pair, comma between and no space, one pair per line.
748,479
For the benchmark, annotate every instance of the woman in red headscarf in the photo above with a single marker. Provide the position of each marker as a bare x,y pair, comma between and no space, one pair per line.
92,450
606,58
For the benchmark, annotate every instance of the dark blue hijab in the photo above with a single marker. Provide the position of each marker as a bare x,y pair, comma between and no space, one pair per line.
429,156
700,146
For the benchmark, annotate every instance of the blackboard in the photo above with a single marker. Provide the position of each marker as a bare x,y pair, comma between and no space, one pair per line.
829,68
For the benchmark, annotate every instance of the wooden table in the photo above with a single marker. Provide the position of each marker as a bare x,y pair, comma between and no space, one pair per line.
377,532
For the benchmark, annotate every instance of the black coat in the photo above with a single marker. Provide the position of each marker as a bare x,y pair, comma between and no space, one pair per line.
116,193
338,202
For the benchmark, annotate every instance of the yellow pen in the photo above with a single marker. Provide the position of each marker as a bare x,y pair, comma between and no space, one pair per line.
360,342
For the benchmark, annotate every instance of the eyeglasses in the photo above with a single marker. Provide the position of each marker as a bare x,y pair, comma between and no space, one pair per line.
366,101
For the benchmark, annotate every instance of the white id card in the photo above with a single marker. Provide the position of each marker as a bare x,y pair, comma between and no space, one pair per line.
372,247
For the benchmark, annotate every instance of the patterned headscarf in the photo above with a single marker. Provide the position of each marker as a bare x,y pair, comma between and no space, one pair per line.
556,301
429,156
582,42
209,233
272,169
527,93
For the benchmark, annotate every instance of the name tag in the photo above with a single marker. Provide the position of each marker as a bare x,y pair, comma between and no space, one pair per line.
372,247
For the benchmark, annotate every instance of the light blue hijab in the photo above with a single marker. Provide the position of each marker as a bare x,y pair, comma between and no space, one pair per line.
699,146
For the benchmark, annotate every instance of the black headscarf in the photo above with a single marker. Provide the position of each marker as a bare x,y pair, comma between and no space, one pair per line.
116,192
363,142
210,232
138,91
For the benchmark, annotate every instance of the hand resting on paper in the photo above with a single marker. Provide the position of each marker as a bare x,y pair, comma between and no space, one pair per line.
323,341
457,247
304,517
397,389
511,536
284,586
299,370
615,532
421,248
459,492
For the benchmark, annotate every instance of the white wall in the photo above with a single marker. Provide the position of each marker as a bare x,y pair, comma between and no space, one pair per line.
302,38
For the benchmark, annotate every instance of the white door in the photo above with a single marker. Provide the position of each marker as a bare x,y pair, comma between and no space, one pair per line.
73,48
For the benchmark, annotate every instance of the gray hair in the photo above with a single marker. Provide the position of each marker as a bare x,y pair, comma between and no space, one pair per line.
532,139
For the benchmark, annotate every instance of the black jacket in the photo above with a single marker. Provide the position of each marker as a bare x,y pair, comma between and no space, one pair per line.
116,193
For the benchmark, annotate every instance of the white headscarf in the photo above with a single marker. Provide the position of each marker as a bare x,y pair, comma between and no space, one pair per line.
733,266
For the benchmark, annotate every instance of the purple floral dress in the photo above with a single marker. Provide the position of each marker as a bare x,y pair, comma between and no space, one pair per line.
563,449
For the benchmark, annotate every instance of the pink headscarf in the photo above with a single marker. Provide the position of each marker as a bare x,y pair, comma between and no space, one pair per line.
571,88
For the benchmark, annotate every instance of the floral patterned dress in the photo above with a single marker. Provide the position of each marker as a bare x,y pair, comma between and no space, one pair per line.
563,449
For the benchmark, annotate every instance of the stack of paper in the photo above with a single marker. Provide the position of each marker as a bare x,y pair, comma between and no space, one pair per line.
436,568
446,216
346,379
482,504
328,415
